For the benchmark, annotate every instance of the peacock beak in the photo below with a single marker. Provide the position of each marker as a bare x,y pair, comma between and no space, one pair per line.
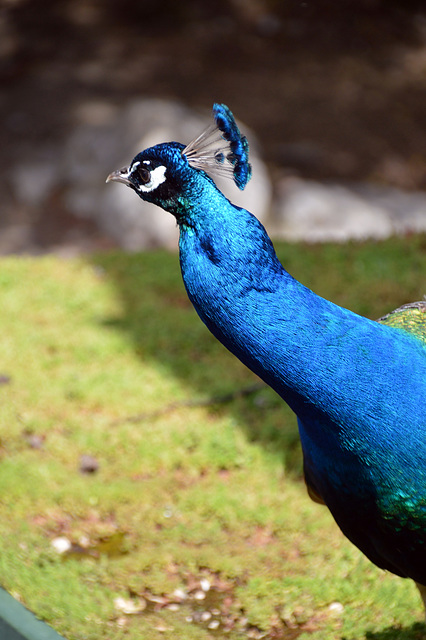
121,175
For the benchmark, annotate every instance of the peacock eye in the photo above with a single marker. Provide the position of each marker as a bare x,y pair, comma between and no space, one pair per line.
144,175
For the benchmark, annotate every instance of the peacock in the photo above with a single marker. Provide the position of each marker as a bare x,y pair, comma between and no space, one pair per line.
357,386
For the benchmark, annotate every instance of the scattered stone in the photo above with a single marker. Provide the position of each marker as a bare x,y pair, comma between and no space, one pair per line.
61,544
216,607
88,464
180,594
205,584
214,624
34,440
130,607
84,541
156,602
162,627
336,607
318,212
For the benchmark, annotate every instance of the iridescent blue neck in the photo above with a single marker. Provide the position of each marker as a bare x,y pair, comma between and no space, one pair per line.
305,347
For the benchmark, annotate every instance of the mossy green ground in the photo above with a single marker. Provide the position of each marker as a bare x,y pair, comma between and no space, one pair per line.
211,490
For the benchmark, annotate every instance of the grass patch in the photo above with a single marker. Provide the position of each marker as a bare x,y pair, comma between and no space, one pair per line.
187,493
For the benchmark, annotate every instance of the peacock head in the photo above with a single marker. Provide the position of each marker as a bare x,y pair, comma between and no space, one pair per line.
169,173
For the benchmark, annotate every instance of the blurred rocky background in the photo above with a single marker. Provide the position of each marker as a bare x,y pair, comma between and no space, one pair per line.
332,95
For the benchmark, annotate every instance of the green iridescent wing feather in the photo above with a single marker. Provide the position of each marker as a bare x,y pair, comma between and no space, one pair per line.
410,317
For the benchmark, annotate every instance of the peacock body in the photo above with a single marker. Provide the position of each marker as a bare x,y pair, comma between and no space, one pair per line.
357,387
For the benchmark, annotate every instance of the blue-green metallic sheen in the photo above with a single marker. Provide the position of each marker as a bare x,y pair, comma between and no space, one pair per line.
357,387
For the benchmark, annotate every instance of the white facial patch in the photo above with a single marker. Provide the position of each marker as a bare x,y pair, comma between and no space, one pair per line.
158,176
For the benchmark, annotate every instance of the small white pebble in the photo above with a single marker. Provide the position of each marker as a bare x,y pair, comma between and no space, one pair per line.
61,544
84,541
205,584
157,599
173,606
336,607
199,595
162,627
214,624
130,607
180,594
206,615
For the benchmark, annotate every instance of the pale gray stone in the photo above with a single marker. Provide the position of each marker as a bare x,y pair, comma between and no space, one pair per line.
317,212
94,150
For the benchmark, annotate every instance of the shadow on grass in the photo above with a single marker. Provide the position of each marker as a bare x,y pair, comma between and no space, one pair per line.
166,331
164,328
416,631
